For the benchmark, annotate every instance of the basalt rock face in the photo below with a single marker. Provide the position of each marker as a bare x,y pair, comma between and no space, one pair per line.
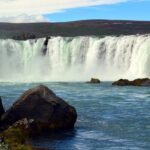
41,109
136,82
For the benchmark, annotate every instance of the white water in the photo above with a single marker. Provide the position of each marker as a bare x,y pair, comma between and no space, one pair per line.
75,59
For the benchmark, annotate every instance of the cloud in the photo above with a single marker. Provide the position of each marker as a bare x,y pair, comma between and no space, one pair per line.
35,7
24,18
12,10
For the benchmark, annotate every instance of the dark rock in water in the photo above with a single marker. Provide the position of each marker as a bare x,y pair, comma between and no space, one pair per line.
121,82
139,82
136,82
44,51
47,111
146,83
94,80
2,111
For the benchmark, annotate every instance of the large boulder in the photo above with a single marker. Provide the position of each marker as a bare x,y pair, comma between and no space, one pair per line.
136,82
43,110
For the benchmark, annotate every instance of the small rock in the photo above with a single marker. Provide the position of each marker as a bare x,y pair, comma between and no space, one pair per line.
146,83
94,81
122,82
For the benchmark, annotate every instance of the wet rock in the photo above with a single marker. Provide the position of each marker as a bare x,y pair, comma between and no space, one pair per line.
42,109
94,81
122,82
146,83
44,50
1,108
136,82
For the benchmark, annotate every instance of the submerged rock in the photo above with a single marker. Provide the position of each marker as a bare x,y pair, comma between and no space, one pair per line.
136,82
94,80
43,110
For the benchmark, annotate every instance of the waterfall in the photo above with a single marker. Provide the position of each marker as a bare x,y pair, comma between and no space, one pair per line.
21,60
75,58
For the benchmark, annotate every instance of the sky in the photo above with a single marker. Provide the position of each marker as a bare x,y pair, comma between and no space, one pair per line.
70,10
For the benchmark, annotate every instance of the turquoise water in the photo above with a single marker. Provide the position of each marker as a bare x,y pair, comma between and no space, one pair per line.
109,117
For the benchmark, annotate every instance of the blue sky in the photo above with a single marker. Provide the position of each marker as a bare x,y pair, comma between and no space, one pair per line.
123,11
70,10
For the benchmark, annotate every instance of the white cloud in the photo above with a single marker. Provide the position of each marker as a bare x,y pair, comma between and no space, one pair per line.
34,9
24,18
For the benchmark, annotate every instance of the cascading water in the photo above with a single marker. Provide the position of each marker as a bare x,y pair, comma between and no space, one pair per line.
75,59
21,60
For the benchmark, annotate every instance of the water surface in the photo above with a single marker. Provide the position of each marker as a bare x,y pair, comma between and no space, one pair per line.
109,117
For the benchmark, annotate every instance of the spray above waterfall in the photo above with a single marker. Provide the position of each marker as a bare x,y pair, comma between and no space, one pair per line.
75,59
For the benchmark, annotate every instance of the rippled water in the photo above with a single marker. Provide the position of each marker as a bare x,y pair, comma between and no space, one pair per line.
109,117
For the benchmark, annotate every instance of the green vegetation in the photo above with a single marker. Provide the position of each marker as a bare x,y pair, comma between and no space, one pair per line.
4,146
14,139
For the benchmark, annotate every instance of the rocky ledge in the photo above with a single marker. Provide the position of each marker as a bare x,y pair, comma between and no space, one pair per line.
136,82
37,111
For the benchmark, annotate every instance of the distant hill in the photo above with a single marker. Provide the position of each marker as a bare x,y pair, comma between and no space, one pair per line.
24,31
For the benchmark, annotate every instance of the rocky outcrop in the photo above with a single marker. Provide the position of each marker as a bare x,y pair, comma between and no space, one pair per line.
94,81
41,109
136,82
